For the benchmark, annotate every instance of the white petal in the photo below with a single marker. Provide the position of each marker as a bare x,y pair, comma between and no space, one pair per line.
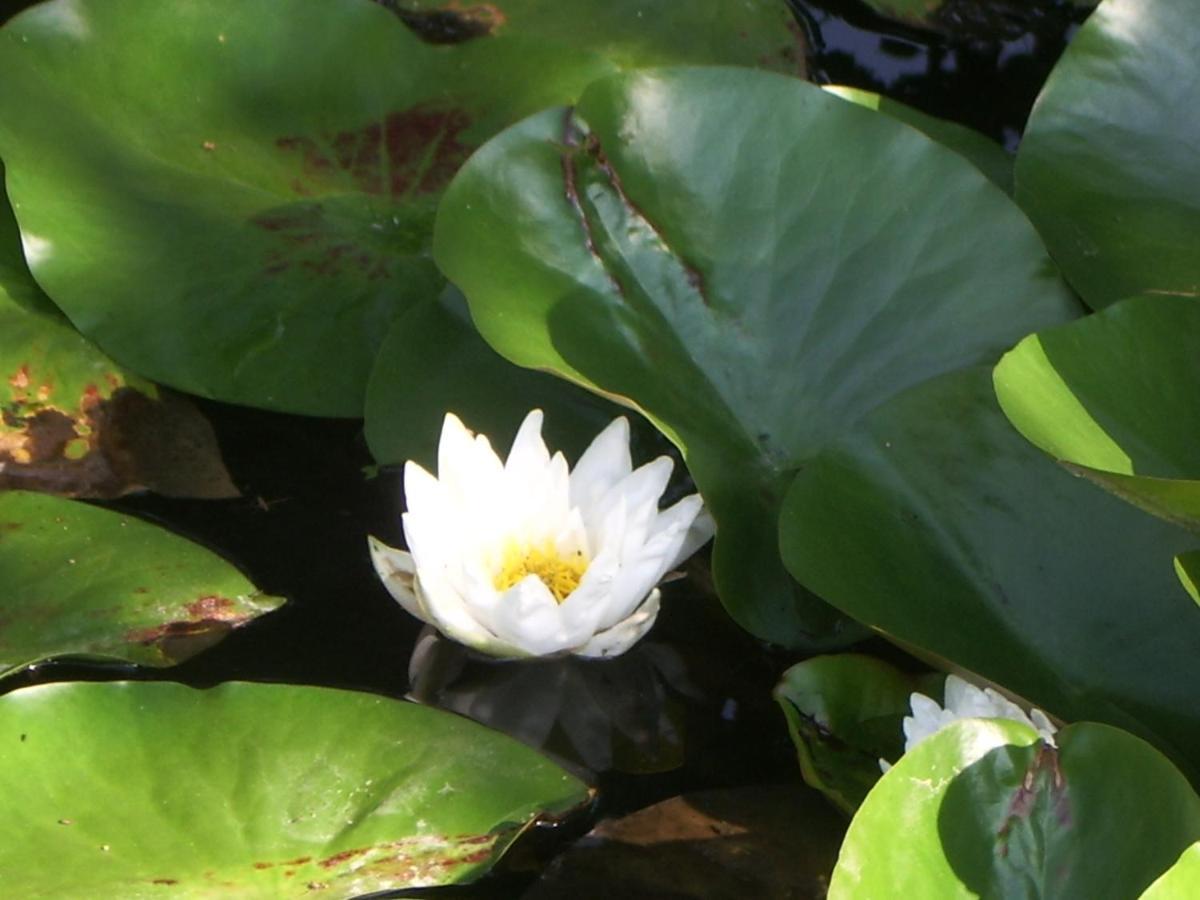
625,634
605,462
468,467
449,614
395,568
585,608
527,615
528,455
638,494
699,533
926,718
423,493
643,567
961,697
643,486
636,578
1043,725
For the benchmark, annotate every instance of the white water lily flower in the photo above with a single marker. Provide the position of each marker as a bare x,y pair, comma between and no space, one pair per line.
527,558
965,701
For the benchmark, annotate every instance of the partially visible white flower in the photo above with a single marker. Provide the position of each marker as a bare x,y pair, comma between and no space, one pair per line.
528,558
965,701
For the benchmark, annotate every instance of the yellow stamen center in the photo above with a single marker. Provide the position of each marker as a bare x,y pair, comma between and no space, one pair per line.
561,574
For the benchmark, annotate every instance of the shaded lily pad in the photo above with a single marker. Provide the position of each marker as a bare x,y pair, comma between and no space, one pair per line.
1109,167
983,809
634,244
985,154
433,361
1113,397
76,580
844,714
254,790
936,523
235,198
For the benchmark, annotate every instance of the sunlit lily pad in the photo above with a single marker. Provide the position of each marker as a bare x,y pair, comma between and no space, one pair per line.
752,261
1109,168
936,523
1114,397
234,197
138,790
1181,881
981,809
76,580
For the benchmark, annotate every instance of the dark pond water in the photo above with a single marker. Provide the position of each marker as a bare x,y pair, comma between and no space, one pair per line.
691,707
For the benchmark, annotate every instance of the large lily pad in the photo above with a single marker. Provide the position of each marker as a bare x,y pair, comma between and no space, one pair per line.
1113,396
982,809
1109,169
81,581
235,197
989,157
256,791
753,262
935,522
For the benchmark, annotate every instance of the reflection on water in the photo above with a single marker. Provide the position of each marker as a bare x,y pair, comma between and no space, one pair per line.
978,62
624,714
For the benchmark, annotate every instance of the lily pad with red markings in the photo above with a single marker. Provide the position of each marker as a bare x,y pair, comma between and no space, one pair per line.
753,262
138,790
76,580
984,809
235,197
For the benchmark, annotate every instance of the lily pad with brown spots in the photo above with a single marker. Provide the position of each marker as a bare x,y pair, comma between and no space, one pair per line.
235,197
147,790
76,580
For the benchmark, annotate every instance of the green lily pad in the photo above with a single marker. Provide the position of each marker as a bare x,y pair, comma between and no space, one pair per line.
936,523
844,714
73,422
983,809
985,154
76,580
433,361
1113,396
1109,168
235,198
1181,881
755,264
1187,567
137,790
